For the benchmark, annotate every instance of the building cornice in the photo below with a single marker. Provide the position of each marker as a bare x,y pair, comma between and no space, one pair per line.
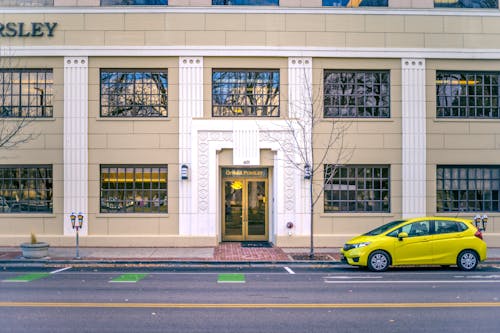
247,10
247,51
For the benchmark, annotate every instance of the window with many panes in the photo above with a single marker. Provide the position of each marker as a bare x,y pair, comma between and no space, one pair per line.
26,189
355,3
134,93
356,188
466,3
134,189
134,2
26,93
467,94
467,188
245,93
356,94
245,2
26,3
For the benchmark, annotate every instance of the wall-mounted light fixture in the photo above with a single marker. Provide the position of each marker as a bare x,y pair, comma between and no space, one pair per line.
184,171
307,171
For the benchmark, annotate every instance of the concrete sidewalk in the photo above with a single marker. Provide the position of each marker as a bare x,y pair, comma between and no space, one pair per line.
222,254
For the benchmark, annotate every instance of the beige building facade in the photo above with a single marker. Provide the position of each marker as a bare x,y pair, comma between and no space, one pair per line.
190,124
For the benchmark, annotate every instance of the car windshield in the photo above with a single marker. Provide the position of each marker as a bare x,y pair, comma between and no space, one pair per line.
383,228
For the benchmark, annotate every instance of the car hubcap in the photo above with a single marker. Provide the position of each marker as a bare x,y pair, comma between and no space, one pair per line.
379,262
468,260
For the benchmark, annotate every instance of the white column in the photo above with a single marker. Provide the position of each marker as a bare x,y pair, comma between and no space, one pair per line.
414,138
190,106
75,141
300,99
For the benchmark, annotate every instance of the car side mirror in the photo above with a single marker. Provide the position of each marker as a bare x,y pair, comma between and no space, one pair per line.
402,235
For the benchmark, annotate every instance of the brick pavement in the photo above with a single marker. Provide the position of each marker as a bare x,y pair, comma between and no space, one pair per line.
232,251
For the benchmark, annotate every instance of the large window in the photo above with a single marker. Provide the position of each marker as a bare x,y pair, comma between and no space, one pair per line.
357,188
26,3
245,2
134,2
134,93
246,93
356,94
467,94
26,93
355,3
134,189
466,3
26,189
468,188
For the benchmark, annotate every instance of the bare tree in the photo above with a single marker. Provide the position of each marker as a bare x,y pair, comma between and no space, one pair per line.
318,143
14,120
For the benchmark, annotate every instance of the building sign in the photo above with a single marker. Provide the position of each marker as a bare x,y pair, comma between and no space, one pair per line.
244,173
22,29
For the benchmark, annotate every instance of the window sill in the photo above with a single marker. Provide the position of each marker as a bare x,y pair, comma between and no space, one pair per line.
27,215
355,214
133,119
131,215
461,120
371,120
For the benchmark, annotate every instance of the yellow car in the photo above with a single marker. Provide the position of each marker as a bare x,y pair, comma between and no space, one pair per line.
418,241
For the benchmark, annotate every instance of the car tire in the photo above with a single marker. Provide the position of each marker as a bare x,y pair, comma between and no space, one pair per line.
379,261
467,260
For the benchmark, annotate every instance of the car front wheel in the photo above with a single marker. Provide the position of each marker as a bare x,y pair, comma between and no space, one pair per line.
467,260
378,261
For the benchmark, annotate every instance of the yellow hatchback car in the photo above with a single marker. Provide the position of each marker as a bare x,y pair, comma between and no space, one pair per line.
442,241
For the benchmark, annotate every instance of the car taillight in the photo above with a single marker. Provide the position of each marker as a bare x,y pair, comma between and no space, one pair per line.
479,234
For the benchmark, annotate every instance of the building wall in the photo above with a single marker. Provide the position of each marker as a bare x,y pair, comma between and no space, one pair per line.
236,38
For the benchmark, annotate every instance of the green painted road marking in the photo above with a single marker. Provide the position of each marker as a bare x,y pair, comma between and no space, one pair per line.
28,277
231,278
129,278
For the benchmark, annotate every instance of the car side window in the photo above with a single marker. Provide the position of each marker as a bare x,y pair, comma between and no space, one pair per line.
447,227
417,229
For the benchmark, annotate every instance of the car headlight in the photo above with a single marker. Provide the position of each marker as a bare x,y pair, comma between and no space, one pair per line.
348,247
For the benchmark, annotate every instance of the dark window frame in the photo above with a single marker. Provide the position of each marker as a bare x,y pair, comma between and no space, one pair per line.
468,188
233,110
104,3
344,3
465,4
19,99
16,191
245,3
119,198
468,94
140,110
353,103
352,192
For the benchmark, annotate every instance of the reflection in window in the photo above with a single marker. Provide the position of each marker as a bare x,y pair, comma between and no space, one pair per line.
26,189
134,2
245,93
26,3
468,188
134,93
466,3
467,94
356,188
358,94
245,2
134,189
355,3
26,93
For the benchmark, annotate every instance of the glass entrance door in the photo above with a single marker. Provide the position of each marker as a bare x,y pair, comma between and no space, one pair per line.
245,209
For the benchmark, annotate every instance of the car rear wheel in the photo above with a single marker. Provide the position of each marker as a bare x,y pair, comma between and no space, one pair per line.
467,260
378,261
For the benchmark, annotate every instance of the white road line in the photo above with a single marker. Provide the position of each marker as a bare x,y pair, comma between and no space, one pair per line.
345,277
414,282
60,270
289,270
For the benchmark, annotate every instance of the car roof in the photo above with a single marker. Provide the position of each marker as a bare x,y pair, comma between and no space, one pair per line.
439,218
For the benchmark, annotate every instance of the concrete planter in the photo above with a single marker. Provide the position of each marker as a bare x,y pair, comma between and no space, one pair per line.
35,251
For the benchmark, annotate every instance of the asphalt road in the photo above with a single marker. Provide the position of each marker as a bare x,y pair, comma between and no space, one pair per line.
278,299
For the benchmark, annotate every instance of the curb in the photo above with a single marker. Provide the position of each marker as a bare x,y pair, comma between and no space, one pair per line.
176,263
